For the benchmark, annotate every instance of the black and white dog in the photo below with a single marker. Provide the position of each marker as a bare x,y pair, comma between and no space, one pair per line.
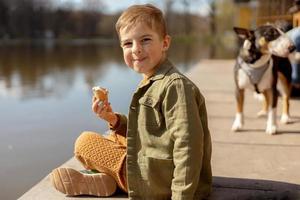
282,45
258,70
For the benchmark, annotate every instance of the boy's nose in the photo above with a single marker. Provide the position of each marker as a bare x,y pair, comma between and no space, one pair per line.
136,48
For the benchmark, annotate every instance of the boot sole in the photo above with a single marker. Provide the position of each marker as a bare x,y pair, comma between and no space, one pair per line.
73,183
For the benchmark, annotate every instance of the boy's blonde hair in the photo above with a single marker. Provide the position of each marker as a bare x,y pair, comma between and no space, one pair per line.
148,14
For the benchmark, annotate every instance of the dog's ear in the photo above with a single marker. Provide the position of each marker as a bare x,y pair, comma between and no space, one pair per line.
243,33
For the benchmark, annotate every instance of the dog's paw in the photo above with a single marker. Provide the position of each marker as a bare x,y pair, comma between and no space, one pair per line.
238,122
262,113
285,119
236,128
271,129
237,125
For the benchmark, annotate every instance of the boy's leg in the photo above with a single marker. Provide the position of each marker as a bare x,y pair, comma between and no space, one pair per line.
72,182
105,155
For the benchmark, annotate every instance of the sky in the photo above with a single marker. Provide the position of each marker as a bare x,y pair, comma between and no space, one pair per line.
200,7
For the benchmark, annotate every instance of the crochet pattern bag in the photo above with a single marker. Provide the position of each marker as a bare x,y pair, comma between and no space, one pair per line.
103,154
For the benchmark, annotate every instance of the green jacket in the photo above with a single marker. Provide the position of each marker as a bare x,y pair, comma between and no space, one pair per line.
168,140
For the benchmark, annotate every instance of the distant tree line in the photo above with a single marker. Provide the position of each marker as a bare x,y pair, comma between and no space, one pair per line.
34,19
29,19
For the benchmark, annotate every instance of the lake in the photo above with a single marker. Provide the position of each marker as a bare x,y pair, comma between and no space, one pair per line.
45,101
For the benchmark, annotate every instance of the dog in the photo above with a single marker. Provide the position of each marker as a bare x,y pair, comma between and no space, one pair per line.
282,45
258,70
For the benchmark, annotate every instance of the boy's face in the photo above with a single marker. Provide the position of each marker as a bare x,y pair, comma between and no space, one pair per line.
143,48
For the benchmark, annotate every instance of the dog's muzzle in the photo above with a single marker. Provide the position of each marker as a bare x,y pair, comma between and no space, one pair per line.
291,48
294,36
286,43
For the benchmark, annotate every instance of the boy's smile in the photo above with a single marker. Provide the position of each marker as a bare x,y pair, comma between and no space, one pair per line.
143,48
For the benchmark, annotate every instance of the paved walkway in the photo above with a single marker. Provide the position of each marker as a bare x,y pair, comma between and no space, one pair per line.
246,165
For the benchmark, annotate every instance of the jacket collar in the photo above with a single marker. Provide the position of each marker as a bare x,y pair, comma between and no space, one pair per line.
160,72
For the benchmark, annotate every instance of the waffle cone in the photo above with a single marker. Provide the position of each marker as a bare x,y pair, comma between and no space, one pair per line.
100,93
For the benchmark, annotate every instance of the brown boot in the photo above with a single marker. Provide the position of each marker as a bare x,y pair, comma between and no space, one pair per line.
72,182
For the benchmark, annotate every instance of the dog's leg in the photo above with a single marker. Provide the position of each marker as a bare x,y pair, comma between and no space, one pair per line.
285,90
271,120
264,110
272,96
239,118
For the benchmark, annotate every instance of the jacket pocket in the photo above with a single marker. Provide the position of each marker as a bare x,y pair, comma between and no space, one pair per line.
158,174
150,114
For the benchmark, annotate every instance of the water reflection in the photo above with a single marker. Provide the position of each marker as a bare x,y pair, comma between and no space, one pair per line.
39,70
29,71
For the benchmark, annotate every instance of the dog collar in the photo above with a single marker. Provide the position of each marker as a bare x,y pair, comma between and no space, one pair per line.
256,71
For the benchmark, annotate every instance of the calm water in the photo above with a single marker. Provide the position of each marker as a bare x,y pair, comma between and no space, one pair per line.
45,102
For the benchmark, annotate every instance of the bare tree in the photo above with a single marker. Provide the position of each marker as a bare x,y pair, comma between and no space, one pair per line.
213,31
93,5
168,11
187,19
3,18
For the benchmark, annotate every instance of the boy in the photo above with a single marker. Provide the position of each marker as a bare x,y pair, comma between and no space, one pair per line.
168,141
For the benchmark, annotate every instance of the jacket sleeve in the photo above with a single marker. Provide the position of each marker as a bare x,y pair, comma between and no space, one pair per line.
121,126
183,122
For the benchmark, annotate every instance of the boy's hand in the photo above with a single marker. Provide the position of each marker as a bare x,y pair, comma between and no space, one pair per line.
104,111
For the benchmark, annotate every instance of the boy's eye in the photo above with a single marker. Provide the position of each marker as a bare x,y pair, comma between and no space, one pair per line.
145,40
126,44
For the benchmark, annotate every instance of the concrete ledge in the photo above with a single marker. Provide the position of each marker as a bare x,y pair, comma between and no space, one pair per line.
45,190
223,188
